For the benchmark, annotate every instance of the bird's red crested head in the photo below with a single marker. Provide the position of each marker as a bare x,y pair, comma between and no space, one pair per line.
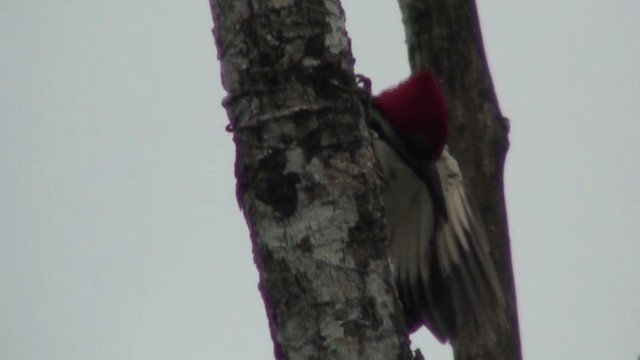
417,104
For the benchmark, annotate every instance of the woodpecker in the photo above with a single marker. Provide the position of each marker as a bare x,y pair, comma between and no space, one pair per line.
443,271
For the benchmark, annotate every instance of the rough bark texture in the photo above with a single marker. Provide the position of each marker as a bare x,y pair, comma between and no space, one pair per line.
445,36
307,180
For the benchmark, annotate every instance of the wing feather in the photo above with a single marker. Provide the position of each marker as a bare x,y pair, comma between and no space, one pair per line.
444,273
466,265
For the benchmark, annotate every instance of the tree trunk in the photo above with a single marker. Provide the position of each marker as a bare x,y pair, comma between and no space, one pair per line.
307,180
445,37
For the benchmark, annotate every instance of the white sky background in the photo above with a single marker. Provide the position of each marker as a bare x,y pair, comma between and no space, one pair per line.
120,237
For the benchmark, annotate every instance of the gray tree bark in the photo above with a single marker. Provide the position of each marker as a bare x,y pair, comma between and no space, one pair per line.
307,180
445,36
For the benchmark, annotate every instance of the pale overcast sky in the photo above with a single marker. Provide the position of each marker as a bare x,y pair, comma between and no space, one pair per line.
120,237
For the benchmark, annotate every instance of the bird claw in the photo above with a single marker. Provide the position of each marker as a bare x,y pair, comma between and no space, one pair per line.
363,83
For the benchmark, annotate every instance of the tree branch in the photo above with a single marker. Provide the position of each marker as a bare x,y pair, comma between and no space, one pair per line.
307,180
446,37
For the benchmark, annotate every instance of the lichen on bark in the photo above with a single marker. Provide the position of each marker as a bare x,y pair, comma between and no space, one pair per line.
307,179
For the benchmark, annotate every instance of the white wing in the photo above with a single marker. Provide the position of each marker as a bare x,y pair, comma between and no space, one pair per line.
444,274
462,249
